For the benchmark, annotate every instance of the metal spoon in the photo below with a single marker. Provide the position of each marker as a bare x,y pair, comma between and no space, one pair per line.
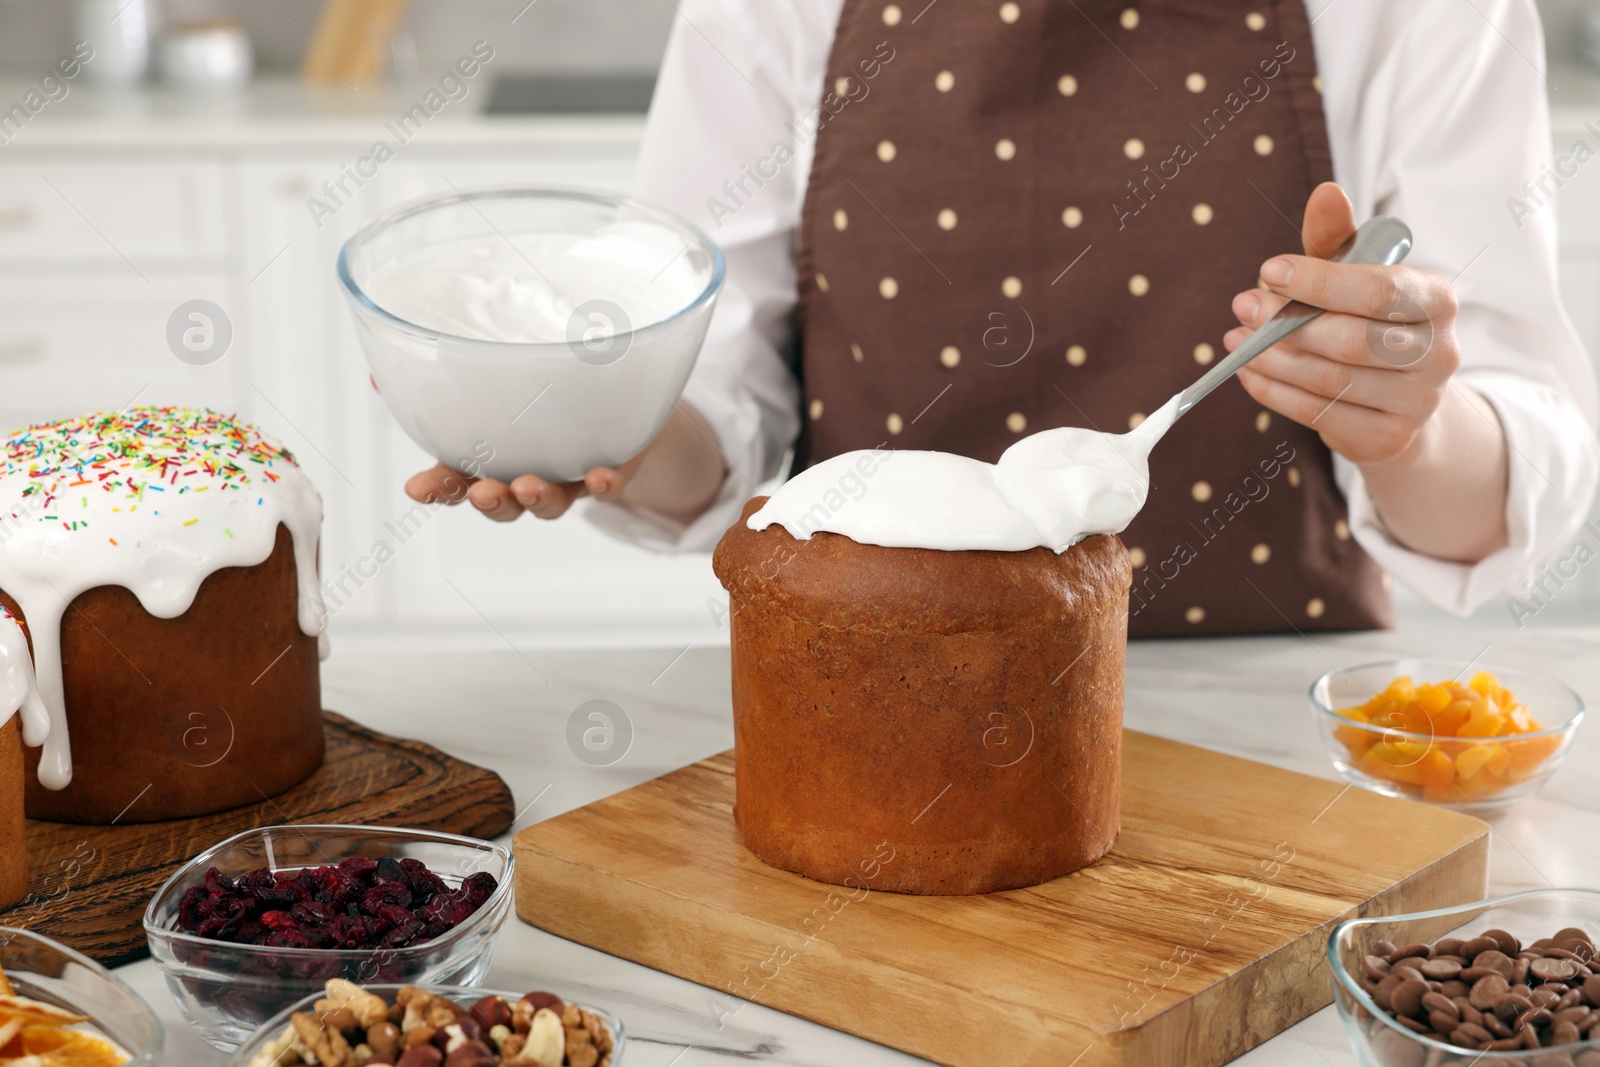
1382,241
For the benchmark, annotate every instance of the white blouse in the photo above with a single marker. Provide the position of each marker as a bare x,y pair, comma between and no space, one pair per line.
1433,115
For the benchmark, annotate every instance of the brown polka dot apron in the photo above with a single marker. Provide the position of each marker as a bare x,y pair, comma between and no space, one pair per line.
1036,213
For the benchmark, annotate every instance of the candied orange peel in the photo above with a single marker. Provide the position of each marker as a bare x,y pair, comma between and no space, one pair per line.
36,1034
1446,742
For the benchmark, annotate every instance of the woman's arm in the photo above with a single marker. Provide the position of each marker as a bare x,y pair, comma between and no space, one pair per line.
1374,377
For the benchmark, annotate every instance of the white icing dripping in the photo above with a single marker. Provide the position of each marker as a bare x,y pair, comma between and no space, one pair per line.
1050,489
160,543
17,689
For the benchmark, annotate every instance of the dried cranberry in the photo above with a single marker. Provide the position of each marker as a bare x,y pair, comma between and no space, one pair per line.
396,894
355,866
289,939
357,904
314,913
479,887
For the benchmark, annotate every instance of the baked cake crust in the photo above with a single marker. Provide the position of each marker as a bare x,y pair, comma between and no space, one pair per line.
194,707
962,708
13,848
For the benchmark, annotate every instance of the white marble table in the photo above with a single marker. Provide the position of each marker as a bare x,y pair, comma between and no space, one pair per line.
506,709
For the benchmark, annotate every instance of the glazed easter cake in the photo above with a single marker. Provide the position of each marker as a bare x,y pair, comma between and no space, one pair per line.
163,563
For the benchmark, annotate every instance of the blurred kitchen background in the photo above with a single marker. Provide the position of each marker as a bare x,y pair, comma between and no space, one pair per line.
128,195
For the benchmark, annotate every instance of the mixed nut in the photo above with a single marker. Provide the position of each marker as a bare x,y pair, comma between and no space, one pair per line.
1488,994
353,1027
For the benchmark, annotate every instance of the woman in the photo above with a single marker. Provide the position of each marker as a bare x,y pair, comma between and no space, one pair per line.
975,219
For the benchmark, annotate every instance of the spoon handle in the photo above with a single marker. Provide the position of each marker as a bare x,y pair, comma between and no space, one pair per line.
1382,240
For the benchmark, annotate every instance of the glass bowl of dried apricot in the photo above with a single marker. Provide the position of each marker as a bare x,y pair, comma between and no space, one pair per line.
1461,735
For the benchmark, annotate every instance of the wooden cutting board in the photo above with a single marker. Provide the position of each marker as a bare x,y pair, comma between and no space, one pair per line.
89,885
1201,934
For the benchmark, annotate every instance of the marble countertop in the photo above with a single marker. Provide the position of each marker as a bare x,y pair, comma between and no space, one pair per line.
507,709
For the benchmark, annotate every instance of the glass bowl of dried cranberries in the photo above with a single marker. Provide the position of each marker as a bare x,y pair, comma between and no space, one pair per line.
267,917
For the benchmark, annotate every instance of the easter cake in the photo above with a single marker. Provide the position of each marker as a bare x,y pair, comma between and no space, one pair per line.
163,563
925,721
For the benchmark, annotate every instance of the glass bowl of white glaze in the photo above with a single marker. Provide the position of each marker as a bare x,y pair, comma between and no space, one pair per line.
537,331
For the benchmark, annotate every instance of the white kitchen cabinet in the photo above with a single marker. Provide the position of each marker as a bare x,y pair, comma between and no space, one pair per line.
111,214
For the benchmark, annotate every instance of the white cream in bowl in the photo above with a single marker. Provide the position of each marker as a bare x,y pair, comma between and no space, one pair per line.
531,331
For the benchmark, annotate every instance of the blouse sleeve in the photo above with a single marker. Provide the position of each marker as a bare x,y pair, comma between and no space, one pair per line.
1438,115
724,147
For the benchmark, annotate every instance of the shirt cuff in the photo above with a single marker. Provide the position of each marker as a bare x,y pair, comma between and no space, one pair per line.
1554,463
735,419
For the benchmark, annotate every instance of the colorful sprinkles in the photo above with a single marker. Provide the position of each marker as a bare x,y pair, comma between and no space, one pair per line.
126,453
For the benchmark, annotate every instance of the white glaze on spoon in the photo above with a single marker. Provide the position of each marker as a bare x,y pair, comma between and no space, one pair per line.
154,500
17,689
1050,489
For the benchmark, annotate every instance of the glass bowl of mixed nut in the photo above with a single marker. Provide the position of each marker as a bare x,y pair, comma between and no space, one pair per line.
434,1026
1510,981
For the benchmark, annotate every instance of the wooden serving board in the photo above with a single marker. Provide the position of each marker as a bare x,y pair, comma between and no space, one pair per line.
89,885
1200,935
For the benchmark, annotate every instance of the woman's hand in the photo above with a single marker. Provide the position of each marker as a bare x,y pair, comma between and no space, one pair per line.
1370,373
503,502
678,474
1373,377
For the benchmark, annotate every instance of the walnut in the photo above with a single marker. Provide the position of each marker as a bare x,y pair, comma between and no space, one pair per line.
510,1048
441,1013
571,1016
597,1031
326,1044
580,1048
416,1004
498,1035
522,1016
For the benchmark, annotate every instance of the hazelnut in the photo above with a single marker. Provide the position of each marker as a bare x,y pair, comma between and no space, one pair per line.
472,1054
511,1047
422,1056
453,1035
543,1000
384,1040
498,1035
492,1012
